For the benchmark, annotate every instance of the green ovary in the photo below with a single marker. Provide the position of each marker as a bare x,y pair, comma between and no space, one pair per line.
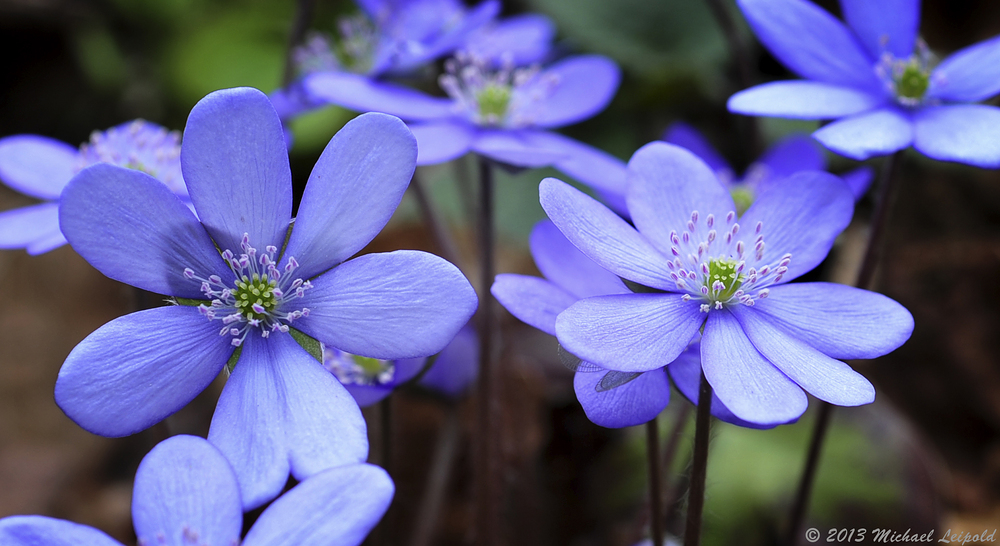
257,289
724,271
493,101
913,82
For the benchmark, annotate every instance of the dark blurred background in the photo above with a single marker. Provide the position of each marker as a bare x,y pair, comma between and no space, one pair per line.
925,456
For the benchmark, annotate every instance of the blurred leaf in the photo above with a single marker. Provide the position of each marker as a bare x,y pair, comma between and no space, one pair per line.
313,130
100,58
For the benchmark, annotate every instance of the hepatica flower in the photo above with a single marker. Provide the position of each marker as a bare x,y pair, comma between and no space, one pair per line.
878,79
244,291
41,167
186,494
763,340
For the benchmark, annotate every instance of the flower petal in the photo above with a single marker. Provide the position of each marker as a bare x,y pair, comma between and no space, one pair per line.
603,236
130,227
354,188
585,84
567,267
810,42
802,100
44,531
394,305
633,403
442,141
22,227
135,370
840,321
801,215
879,132
792,154
630,332
362,94
859,180
235,163
185,491
511,148
687,137
338,506
49,241
825,378
666,185
595,168
532,300
750,386
37,166
457,367
966,133
968,75
443,40
522,39
888,25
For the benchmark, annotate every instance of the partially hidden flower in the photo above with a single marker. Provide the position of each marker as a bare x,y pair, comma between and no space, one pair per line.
878,79
610,398
41,167
248,283
187,493
709,270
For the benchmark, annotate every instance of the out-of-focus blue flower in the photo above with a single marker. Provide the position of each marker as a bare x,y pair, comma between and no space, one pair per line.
186,493
280,411
763,340
788,156
41,167
521,40
878,79
609,398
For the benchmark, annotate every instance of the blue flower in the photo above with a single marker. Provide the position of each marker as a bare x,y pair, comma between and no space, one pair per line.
878,77
186,493
41,167
254,279
571,276
763,340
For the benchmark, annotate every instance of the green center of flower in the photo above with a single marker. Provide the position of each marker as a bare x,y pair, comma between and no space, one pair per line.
493,101
912,82
371,367
722,280
743,197
255,298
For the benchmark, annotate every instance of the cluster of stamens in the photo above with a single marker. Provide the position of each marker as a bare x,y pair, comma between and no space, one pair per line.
721,269
497,98
140,145
351,369
906,79
258,297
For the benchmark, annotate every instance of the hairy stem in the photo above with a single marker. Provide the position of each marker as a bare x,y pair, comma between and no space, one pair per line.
655,494
699,465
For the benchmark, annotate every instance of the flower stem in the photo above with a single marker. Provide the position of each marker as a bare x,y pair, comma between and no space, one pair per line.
388,523
884,200
437,481
488,445
655,491
699,466
670,452
303,15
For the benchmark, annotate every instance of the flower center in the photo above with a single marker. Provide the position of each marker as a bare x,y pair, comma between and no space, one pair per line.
352,369
256,291
722,279
907,79
507,97
913,82
493,101
141,146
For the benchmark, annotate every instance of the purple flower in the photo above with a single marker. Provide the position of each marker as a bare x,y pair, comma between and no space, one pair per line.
609,398
500,114
520,40
243,282
41,167
877,78
186,493
763,340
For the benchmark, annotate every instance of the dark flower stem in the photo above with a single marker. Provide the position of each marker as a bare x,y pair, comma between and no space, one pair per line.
655,482
670,451
388,523
437,481
699,466
304,10
488,444
884,200
446,246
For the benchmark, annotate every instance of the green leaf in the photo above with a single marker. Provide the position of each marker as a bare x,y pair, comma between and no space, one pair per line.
310,344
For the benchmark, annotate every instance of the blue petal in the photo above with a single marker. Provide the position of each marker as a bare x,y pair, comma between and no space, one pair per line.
567,267
130,227
603,236
50,241
801,215
338,506
26,225
631,332
595,168
366,395
879,132
825,378
585,86
968,75
354,188
532,300
37,166
401,304
135,370
887,25
859,180
512,148
43,531
792,154
442,141
840,321
811,42
803,100
686,136
457,367
445,39
186,492
633,403
966,133
750,386
235,163
666,185
522,39
361,94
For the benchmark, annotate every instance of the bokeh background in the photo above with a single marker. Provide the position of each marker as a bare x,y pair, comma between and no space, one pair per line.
925,455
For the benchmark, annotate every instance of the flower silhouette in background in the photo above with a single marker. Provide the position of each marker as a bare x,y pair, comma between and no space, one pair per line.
246,285
186,493
878,79
41,167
